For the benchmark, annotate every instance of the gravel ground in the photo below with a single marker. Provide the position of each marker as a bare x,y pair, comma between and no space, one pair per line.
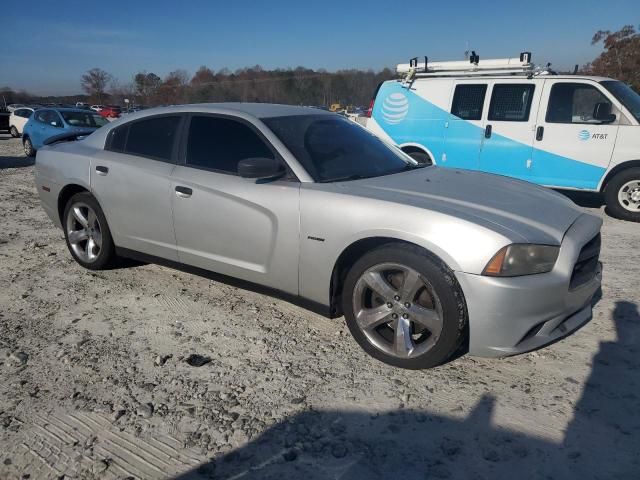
147,372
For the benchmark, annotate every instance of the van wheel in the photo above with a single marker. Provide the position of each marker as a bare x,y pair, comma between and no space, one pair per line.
14,132
404,308
419,156
622,195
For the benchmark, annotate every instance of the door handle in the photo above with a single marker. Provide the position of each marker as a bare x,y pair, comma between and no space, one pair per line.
539,133
183,192
487,131
100,170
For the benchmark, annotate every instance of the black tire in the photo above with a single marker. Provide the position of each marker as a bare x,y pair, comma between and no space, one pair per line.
29,151
106,257
454,314
615,207
420,157
14,132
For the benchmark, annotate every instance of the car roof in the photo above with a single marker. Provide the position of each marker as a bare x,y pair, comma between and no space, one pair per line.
66,109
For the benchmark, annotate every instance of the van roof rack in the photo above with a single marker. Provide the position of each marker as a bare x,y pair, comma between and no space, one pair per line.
471,67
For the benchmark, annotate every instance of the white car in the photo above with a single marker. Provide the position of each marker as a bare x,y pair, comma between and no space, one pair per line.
18,119
96,108
14,106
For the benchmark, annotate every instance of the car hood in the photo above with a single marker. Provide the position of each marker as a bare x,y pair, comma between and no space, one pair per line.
529,212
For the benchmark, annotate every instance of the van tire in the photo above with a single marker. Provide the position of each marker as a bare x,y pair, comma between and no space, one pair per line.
622,195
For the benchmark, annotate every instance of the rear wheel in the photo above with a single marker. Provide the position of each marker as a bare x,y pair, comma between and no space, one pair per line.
404,308
87,233
29,151
622,195
14,132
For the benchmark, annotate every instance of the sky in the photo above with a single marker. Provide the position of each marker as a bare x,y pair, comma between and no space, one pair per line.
45,46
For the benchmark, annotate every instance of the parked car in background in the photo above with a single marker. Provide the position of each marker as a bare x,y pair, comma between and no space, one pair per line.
421,260
18,120
504,116
111,111
13,106
97,108
49,122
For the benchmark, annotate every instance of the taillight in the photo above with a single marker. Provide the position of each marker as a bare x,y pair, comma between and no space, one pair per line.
370,110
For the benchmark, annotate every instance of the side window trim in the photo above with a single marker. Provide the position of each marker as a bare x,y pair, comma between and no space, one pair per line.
529,86
182,157
173,160
454,97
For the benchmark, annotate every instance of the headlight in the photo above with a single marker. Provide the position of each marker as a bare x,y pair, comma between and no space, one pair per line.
522,259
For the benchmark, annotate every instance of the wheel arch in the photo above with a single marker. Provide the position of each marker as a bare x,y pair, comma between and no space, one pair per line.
617,169
352,253
417,147
65,194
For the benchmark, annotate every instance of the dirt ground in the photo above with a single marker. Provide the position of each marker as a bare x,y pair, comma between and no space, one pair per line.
147,372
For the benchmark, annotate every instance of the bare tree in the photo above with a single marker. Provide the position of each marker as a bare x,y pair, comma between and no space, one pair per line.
95,82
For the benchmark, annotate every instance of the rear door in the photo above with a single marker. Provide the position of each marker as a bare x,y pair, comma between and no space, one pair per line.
572,148
509,127
463,137
224,223
131,180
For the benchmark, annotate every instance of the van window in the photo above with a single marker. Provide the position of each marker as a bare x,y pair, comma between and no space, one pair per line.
468,101
573,103
511,103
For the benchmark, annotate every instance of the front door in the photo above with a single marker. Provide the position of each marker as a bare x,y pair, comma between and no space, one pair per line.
464,127
227,224
573,143
509,128
48,124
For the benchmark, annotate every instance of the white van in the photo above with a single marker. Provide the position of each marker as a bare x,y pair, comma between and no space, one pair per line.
507,117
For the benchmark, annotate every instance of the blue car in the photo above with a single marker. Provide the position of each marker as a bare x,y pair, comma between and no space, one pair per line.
51,122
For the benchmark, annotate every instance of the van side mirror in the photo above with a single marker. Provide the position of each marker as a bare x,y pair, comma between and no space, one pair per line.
260,168
602,112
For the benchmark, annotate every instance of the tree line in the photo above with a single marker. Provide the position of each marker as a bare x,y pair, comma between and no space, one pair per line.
299,86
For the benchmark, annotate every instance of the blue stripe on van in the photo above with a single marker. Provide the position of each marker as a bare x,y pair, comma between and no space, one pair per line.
417,120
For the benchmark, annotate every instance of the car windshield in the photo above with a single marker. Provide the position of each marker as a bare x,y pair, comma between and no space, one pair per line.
626,95
334,149
84,119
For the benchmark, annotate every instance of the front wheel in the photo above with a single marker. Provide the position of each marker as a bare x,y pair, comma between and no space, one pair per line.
87,233
29,151
622,195
404,308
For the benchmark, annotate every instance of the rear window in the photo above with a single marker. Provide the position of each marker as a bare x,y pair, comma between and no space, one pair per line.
153,138
468,101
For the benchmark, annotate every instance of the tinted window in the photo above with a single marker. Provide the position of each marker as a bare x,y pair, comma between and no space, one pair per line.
332,148
511,103
153,138
41,116
117,138
573,103
50,118
468,101
220,143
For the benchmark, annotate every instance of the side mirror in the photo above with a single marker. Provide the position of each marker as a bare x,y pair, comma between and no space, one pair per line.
260,168
602,112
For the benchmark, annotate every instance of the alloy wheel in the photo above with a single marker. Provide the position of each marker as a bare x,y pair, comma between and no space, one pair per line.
84,232
629,196
397,310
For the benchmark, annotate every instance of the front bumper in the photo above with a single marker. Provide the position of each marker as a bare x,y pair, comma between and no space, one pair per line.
508,316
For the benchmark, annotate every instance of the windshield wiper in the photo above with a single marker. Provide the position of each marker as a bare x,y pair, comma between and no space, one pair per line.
346,178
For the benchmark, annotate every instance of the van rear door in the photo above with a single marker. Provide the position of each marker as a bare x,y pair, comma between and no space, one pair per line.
574,138
509,127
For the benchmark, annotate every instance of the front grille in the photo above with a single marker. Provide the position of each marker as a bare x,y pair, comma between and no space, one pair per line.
587,264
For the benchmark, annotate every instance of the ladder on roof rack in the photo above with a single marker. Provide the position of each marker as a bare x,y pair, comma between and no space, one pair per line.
473,66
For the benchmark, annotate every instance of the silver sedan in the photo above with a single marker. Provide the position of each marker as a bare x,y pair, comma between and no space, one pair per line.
423,262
